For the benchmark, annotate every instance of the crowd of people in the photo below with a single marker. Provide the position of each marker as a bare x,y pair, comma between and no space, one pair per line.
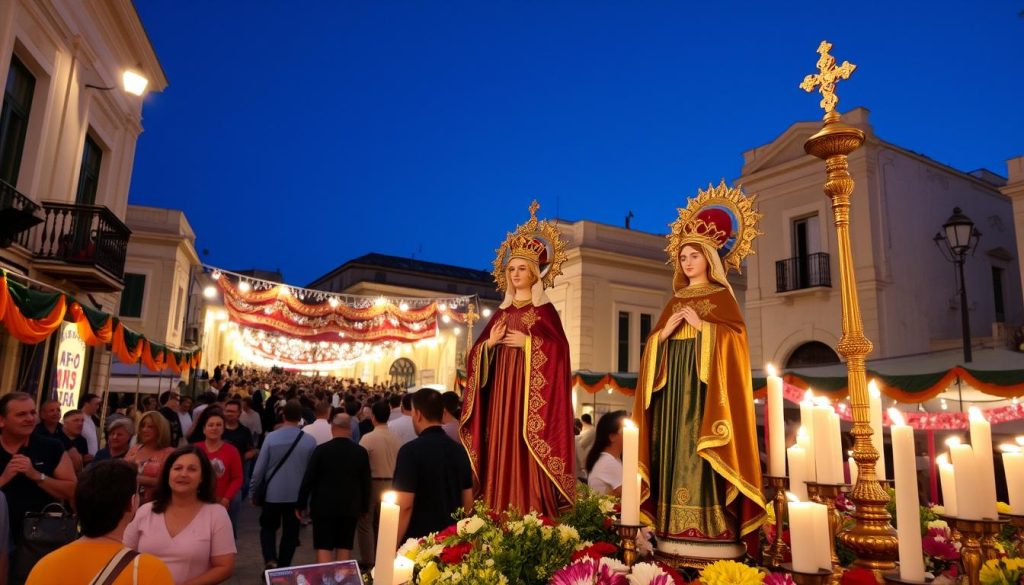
306,450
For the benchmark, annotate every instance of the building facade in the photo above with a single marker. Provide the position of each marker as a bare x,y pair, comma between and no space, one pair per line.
908,294
68,130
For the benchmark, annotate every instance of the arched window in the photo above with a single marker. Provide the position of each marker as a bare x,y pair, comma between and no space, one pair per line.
403,372
812,353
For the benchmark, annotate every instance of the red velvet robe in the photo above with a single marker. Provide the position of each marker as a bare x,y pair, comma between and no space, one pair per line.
517,421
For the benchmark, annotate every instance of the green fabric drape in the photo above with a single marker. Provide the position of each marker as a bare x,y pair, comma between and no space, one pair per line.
32,304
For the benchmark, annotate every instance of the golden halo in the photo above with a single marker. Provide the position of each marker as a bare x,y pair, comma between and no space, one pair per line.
730,211
543,231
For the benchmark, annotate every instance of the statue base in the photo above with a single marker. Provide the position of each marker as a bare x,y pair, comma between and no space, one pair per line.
693,554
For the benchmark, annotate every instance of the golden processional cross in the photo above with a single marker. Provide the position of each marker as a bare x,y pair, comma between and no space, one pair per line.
828,75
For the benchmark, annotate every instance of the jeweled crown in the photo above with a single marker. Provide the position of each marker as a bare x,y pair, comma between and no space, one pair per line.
698,230
526,248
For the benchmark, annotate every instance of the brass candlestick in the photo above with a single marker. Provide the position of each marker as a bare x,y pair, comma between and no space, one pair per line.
977,543
776,552
828,493
893,578
872,538
627,534
818,578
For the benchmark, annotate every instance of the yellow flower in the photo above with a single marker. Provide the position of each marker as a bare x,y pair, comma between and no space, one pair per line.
429,573
1003,508
730,573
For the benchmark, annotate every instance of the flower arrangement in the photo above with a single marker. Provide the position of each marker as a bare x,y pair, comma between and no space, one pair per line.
1005,571
731,573
941,552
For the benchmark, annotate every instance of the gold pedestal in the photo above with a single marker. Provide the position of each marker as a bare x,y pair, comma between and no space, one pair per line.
977,543
627,534
872,538
828,493
775,554
819,578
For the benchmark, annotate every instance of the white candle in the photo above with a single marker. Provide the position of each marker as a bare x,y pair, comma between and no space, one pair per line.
387,539
984,458
776,425
852,464
807,424
877,438
947,478
823,444
965,473
402,571
798,470
836,452
1013,464
908,513
630,471
808,527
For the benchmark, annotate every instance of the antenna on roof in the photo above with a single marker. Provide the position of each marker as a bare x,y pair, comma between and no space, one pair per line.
629,217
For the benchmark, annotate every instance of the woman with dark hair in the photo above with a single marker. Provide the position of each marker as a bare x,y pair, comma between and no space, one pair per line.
225,460
604,461
183,525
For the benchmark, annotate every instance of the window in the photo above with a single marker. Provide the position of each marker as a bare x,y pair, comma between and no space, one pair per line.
179,308
997,291
645,331
14,119
812,353
89,175
623,341
132,295
805,243
403,372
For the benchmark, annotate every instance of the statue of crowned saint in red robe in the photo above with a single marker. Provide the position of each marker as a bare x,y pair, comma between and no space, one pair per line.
517,417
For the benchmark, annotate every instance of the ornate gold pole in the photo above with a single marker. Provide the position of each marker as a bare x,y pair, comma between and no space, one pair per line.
872,538
777,550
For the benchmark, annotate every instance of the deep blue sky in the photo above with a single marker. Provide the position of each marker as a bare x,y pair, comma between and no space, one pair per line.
298,135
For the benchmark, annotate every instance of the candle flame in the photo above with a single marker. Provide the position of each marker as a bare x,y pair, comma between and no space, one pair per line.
1020,440
801,433
974,413
1008,448
953,441
873,389
897,417
770,369
849,453
628,424
809,396
942,459
390,497
822,401
792,497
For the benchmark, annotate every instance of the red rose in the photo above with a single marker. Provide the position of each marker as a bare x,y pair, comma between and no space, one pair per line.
450,531
453,554
547,521
595,551
858,577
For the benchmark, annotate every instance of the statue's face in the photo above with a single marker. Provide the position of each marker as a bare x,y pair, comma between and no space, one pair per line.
519,274
692,261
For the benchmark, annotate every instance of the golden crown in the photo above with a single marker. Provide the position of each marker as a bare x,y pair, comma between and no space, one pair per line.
698,230
527,248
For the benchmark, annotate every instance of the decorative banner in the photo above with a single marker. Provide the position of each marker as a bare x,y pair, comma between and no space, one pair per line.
71,356
30,315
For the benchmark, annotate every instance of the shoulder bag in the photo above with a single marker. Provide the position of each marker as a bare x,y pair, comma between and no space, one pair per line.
259,491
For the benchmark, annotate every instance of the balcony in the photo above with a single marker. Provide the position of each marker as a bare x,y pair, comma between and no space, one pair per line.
84,244
802,272
18,214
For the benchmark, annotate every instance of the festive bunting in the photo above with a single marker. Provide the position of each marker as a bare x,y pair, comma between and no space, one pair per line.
94,327
29,315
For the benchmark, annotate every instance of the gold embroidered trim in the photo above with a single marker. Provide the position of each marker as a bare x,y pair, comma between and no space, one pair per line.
529,319
540,449
699,290
520,304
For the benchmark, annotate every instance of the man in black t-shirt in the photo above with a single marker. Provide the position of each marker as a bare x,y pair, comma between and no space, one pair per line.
169,410
433,478
240,437
34,470
71,438
49,420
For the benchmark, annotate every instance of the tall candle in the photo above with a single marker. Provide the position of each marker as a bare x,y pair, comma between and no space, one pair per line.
387,539
965,473
403,569
836,451
630,470
807,530
852,464
984,458
877,438
947,478
1013,464
823,536
776,425
908,516
798,471
807,424
823,444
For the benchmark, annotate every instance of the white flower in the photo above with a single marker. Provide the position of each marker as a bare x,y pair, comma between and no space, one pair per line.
938,524
606,505
644,573
567,533
470,525
643,542
410,548
614,565
531,519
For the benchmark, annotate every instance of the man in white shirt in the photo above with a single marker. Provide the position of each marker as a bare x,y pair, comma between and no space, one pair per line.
320,429
584,441
382,446
402,425
185,417
89,404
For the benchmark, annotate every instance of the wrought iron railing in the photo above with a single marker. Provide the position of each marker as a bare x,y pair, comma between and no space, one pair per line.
80,234
802,272
11,198
17,213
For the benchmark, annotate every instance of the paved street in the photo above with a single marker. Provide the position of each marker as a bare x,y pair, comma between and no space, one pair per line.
249,564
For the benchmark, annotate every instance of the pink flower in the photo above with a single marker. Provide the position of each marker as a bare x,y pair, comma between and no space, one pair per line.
778,579
937,543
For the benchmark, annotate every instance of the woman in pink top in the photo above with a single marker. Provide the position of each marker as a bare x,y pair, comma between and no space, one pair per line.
183,525
152,446
224,457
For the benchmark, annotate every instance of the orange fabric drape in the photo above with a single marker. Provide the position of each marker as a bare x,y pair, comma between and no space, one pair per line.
25,330
152,363
103,335
125,355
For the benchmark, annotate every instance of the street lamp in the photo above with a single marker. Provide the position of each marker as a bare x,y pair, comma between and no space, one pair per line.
959,236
